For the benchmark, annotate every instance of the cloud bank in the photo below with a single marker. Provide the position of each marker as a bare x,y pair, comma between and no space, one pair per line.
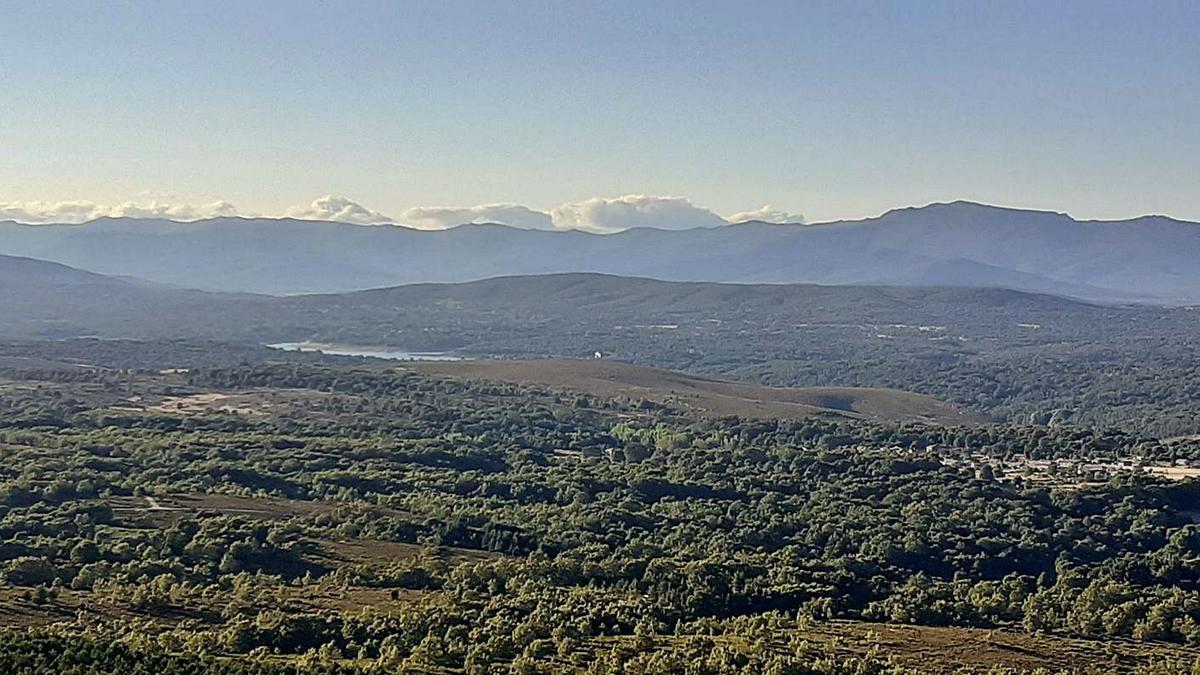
442,217
598,214
83,211
766,214
338,209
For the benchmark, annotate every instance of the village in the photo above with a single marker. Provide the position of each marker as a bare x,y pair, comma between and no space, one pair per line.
1070,472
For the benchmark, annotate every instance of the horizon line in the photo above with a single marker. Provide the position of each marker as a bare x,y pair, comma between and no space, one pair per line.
409,227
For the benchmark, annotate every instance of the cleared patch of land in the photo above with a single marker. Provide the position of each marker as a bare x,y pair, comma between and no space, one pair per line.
167,397
704,395
1174,472
167,509
195,404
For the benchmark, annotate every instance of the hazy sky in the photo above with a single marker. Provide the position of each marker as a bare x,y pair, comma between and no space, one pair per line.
837,109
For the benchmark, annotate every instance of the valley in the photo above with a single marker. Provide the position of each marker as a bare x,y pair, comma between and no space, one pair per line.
599,338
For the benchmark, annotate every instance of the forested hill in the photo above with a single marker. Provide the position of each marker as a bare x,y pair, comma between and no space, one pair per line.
577,294
1014,356
44,299
1148,259
28,273
48,300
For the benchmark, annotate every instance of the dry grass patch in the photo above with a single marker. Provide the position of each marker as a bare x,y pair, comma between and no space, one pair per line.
706,396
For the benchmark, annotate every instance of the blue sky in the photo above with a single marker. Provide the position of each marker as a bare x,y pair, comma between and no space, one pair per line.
838,109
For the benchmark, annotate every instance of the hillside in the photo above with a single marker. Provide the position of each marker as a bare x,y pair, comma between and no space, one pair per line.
591,295
1148,259
44,299
1015,356
27,273
706,396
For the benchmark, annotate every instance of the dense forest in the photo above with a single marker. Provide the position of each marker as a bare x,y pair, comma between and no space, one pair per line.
316,518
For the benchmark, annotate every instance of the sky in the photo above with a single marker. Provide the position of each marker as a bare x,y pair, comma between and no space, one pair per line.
596,114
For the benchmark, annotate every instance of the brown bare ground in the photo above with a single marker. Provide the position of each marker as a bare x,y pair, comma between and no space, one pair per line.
704,395
192,404
17,611
375,552
1174,472
170,508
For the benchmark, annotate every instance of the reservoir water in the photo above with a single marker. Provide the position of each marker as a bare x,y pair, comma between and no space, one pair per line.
357,350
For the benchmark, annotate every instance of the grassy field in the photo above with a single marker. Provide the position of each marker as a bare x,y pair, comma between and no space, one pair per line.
707,396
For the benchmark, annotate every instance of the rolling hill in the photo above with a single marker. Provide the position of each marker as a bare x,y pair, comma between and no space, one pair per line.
1150,259
513,316
1013,355
43,299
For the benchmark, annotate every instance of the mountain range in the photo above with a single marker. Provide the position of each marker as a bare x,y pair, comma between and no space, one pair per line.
1152,259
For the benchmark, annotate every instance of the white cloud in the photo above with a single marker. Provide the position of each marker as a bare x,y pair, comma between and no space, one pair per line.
766,214
330,207
83,211
612,214
340,209
598,214
441,217
183,212
48,212
595,215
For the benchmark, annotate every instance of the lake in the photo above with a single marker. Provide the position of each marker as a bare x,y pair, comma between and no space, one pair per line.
357,350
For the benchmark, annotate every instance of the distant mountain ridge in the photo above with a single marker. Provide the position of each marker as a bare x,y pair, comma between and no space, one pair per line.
1151,259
